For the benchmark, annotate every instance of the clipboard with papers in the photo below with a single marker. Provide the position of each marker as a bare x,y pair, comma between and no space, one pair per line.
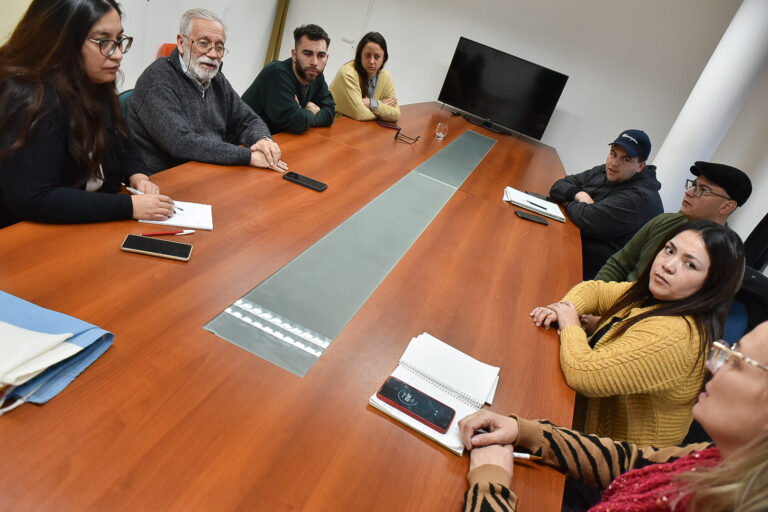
534,204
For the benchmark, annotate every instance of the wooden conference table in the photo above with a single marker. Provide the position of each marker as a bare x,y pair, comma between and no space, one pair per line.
173,417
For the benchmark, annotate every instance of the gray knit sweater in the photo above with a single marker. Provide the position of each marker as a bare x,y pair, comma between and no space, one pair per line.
173,120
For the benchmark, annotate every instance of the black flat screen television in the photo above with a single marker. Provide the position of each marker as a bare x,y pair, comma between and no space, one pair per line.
501,89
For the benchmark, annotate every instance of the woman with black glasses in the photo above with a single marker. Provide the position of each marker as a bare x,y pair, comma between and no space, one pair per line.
730,474
64,145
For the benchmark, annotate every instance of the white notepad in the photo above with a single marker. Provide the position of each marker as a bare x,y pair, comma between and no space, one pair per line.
188,215
534,204
448,375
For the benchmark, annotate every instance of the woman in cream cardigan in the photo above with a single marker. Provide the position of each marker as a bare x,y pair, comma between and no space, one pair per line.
363,90
643,368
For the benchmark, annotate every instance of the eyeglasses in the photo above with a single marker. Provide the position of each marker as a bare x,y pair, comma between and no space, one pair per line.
702,190
721,353
108,46
205,47
404,138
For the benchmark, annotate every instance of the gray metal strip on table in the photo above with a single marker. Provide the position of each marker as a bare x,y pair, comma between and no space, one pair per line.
291,318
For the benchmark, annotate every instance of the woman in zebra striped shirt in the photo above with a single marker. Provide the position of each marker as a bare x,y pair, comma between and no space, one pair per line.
730,474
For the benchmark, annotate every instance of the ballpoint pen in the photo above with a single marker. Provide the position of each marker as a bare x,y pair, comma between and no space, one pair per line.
175,232
536,205
526,456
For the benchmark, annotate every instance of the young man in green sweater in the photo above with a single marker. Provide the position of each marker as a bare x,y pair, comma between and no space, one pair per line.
291,95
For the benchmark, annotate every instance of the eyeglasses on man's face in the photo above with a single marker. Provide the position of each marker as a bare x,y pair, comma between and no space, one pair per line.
108,46
204,46
702,190
721,353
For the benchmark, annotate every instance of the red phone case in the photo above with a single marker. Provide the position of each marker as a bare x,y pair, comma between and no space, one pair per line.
411,414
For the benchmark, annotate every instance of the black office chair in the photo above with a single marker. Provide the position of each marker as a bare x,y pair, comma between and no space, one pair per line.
123,97
756,245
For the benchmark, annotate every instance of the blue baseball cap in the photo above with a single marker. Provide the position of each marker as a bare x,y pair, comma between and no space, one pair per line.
635,142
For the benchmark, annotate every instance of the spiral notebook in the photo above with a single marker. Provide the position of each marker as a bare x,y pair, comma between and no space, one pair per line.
534,204
448,375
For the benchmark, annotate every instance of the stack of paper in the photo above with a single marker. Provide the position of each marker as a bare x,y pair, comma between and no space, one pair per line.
188,215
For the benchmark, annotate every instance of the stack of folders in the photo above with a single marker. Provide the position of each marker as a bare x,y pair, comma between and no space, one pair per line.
447,375
42,351
534,204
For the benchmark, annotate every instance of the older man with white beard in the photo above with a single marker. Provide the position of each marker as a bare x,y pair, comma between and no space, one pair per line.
184,109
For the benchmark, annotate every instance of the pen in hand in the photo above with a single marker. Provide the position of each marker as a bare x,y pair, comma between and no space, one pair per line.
140,193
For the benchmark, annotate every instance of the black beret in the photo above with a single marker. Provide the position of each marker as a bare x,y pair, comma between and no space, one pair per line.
735,182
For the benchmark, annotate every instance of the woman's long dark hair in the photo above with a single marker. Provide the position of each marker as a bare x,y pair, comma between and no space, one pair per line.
41,62
362,74
709,306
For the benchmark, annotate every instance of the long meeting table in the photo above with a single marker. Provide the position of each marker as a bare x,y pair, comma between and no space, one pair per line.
172,417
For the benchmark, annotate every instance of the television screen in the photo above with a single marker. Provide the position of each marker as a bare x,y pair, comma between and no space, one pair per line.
501,88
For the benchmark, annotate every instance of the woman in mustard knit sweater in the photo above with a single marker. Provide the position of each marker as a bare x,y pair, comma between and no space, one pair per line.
643,368
363,90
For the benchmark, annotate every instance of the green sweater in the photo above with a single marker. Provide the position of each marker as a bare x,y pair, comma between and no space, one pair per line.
273,95
627,263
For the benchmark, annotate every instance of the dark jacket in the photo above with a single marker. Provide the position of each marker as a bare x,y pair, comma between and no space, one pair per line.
36,183
273,96
619,210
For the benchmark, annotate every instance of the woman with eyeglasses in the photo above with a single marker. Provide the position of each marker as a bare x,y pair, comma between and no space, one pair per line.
64,145
362,89
644,366
730,474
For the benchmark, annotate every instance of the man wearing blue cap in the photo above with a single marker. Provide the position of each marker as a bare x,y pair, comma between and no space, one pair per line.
610,202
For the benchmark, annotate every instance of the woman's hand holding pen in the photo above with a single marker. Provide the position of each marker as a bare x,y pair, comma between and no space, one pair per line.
152,207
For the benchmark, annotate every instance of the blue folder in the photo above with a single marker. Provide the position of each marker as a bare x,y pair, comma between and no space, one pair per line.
92,340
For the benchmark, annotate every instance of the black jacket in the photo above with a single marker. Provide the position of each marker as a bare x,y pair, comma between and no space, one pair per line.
619,210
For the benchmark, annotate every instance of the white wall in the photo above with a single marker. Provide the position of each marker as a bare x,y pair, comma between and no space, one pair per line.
746,147
12,10
154,22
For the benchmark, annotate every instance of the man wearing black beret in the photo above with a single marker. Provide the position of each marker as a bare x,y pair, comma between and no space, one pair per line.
715,193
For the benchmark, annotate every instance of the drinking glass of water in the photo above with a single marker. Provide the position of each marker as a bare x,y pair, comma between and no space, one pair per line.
442,130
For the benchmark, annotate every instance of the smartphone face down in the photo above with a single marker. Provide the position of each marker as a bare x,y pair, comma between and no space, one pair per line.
157,247
531,217
416,404
305,181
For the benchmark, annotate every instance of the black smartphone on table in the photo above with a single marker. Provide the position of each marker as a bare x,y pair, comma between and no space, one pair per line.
157,247
305,181
531,217
416,404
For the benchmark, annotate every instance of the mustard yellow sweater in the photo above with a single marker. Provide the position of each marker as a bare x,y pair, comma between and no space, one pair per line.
640,386
345,89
